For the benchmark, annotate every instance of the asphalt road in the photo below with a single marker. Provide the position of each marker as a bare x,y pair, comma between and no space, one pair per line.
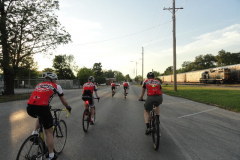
190,130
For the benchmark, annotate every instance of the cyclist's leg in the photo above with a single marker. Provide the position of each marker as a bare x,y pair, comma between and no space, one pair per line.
33,112
47,121
92,105
148,107
49,135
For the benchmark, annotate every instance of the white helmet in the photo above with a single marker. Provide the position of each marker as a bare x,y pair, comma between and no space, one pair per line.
91,79
51,76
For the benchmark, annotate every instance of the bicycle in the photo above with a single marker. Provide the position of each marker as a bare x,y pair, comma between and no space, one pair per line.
87,114
125,94
113,93
154,125
35,148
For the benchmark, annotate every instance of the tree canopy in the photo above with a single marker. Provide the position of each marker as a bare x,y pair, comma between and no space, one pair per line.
62,66
27,27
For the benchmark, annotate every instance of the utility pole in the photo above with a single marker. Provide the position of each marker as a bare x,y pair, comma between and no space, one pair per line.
174,42
142,65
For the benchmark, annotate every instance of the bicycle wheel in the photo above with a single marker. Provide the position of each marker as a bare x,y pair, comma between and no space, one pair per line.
94,114
31,149
85,120
60,136
155,133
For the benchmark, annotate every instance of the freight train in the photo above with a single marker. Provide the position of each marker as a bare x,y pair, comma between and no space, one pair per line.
226,74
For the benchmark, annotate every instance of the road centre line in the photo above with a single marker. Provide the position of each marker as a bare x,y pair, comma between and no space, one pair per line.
197,113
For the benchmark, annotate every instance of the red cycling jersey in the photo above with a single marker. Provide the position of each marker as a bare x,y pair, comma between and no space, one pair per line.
125,84
113,84
89,86
43,93
153,87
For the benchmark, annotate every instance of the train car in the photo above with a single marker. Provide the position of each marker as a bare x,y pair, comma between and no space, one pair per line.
226,74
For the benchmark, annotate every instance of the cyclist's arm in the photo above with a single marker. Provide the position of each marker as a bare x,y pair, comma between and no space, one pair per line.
64,101
142,94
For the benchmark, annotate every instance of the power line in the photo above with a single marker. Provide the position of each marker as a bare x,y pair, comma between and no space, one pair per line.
122,36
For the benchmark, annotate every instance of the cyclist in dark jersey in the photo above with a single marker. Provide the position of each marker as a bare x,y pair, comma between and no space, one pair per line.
38,106
154,95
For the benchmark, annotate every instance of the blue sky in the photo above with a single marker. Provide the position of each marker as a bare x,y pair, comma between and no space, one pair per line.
114,32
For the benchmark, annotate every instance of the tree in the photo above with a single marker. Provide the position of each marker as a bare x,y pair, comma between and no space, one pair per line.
109,74
48,70
118,75
169,70
138,78
84,73
62,65
27,27
27,68
128,78
97,68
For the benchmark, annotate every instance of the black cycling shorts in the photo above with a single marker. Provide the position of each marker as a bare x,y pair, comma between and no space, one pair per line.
113,87
125,87
43,112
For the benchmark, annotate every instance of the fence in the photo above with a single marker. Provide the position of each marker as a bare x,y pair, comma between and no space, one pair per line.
31,83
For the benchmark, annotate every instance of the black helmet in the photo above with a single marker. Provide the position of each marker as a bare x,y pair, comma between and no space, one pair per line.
91,79
150,75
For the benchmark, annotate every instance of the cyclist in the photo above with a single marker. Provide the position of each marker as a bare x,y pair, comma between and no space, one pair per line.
125,86
38,106
154,95
113,86
88,89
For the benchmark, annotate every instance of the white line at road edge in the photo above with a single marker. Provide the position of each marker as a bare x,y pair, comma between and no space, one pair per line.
197,113
184,152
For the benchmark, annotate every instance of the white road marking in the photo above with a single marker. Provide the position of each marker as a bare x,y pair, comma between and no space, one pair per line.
184,152
197,113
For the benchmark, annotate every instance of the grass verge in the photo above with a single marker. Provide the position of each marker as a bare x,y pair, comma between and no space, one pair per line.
221,97
8,98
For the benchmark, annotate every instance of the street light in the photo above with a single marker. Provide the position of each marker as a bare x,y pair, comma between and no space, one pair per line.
136,67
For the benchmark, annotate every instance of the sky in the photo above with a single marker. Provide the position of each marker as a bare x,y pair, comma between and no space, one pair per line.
119,34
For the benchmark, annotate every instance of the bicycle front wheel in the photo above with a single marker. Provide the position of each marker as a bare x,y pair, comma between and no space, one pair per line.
155,133
32,148
85,120
60,136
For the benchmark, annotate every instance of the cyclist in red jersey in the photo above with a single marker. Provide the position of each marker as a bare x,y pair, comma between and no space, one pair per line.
38,106
88,89
125,86
113,85
154,95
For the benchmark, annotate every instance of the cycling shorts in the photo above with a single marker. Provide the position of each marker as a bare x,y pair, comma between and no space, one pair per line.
43,112
125,87
113,87
157,99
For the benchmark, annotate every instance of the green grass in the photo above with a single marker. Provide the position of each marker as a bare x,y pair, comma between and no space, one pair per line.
9,98
223,98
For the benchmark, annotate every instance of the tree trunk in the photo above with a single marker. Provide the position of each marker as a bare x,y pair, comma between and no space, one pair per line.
7,69
8,83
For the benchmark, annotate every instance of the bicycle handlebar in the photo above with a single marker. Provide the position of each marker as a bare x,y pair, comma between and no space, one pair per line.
60,110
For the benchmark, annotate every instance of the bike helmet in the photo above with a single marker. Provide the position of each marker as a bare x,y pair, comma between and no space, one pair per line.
125,80
51,76
150,75
91,79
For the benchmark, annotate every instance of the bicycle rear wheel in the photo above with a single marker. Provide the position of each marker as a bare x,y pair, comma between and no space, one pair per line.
155,133
85,120
32,148
60,136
